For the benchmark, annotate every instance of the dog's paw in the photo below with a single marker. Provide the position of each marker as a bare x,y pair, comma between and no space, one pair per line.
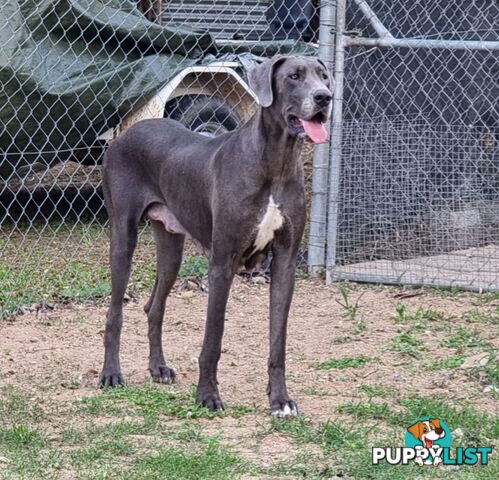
419,461
212,401
284,409
162,374
437,461
111,379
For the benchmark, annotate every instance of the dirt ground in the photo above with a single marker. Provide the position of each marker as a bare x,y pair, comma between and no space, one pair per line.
58,353
61,350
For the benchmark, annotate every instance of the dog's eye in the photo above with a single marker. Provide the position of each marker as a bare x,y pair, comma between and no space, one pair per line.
294,76
324,76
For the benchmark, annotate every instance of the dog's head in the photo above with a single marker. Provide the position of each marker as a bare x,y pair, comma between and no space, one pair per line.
427,431
298,90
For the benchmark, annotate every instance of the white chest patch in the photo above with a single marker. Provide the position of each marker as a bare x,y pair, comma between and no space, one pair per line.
271,221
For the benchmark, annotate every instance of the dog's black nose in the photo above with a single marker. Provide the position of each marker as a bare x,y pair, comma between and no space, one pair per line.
322,97
439,430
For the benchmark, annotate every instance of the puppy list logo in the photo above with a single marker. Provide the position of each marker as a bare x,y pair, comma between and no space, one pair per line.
428,442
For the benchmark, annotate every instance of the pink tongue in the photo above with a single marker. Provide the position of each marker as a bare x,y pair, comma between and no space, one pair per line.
315,130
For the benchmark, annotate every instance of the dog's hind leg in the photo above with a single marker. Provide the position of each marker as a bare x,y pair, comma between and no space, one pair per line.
169,249
123,241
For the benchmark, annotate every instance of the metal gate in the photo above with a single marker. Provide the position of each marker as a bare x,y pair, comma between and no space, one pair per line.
412,186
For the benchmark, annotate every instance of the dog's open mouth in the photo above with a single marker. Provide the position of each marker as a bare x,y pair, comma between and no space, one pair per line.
314,128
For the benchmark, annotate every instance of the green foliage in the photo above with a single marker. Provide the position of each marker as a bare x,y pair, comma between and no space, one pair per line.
351,310
464,337
346,362
449,363
194,267
417,320
377,391
20,436
407,344
150,401
29,285
213,462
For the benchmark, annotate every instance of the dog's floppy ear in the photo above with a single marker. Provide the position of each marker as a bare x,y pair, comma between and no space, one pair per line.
327,70
331,78
260,79
323,64
416,430
435,422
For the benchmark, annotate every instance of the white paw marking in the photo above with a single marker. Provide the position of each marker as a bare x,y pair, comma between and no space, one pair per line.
287,411
271,221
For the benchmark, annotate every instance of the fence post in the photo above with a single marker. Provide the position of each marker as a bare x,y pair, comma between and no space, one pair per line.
318,213
336,141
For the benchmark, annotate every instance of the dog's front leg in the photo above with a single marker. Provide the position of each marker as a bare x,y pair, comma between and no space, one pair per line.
220,277
281,292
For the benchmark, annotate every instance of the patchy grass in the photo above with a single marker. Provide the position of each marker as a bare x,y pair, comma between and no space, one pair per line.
133,447
20,436
418,319
113,450
151,400
377,391
488,297
449,363
29,285
315,391
449,292
485,316
369,410
407,344
477,427
491,370
329,435
213,461
346,362
351,309
193,267
70,263
150,431
350,442
463,337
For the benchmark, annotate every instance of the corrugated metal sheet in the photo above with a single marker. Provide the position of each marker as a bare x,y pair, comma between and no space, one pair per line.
228,19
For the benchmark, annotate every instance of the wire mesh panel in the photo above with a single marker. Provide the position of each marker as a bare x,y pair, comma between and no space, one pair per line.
419,183
73,76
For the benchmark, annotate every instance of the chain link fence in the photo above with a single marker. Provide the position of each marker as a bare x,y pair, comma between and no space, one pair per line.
73,75
414,198
405,193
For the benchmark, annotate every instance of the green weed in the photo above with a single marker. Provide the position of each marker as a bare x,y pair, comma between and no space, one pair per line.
407,344
351,310
193,267
449,363
464,338
342,363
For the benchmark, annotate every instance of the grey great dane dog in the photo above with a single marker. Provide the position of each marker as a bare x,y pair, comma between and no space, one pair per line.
237,196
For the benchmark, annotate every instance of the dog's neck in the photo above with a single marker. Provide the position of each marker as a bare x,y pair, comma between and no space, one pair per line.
280,150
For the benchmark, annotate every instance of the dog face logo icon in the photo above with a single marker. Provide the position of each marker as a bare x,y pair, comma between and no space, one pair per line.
428,441
430,434
427,431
